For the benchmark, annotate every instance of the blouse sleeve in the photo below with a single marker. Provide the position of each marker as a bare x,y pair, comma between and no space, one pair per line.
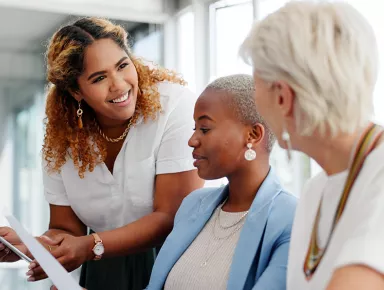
54,189
174,154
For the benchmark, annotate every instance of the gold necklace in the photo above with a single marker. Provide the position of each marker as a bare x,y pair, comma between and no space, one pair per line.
115,140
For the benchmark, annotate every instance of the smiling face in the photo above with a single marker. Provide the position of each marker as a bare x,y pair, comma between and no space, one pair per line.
220,139
109,82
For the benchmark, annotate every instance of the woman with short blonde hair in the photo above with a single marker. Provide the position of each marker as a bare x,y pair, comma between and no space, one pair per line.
315,69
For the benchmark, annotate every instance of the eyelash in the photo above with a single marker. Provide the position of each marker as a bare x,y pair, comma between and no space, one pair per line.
203,130
100,78
123,65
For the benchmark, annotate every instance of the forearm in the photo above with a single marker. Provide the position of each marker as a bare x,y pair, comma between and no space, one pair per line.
53,232
138,236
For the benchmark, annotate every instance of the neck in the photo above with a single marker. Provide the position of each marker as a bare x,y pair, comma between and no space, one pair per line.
110,127
243,185
333,155
108,123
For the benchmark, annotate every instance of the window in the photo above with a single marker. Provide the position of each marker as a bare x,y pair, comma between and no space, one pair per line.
26,193
186,47
230,22
267,7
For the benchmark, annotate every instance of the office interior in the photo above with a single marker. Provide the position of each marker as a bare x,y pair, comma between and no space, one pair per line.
197,38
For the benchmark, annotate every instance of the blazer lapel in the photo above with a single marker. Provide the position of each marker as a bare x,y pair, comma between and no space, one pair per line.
252,232
185,232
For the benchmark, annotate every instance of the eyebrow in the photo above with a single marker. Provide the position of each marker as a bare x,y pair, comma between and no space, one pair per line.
104,72
206,117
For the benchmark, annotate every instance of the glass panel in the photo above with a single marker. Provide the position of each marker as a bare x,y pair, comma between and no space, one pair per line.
28,201
186,47
267,7
230,25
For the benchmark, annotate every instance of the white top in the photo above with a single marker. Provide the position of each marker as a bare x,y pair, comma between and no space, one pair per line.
104,201
207,261
359,235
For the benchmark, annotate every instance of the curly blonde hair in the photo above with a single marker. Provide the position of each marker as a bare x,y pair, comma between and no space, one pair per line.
65,56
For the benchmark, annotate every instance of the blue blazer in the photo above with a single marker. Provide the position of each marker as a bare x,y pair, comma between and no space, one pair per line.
261,254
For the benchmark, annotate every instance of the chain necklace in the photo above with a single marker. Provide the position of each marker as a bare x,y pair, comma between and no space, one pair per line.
118,139
223,239
232,225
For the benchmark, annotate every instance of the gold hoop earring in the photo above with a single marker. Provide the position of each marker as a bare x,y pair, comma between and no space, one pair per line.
79,116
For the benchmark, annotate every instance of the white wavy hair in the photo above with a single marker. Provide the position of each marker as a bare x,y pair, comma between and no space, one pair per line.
327,53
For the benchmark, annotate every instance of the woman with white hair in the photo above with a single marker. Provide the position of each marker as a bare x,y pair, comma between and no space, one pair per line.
315,68
234,237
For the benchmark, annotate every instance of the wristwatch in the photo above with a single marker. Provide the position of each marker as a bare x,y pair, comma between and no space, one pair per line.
98,249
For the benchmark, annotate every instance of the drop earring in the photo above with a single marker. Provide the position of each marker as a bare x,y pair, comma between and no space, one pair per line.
287,139
250,154
79,116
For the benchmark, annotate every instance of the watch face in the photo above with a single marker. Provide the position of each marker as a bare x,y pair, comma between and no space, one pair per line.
98,250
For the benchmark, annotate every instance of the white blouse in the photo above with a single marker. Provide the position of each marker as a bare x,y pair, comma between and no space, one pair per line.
105,201
359,235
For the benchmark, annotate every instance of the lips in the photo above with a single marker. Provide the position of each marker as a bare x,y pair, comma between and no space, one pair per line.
121,98
198,159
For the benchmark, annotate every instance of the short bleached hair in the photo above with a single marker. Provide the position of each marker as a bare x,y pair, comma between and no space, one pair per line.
327,53
240,90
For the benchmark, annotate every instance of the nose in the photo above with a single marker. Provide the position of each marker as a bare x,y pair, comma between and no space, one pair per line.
118,83
193,141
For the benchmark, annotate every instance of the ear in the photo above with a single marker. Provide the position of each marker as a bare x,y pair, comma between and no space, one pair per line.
285,97
76,95
256,134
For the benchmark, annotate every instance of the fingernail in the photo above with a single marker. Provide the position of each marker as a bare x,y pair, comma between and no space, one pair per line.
32,265
29,273
2,247
31,279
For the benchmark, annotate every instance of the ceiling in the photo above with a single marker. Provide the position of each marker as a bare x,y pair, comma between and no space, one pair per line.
24,35
27,31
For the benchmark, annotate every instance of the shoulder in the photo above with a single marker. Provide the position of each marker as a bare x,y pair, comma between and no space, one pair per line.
173,94
193,200
283,210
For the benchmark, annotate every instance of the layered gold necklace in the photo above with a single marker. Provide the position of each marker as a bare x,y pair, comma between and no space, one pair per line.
118,139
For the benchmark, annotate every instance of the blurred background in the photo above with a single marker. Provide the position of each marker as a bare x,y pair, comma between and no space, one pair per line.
198,38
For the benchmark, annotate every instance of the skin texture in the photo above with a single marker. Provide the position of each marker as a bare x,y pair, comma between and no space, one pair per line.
220,141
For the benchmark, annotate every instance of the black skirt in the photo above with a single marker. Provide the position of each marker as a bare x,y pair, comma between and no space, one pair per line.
130,272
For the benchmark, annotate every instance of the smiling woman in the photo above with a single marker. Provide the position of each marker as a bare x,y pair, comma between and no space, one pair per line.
116,156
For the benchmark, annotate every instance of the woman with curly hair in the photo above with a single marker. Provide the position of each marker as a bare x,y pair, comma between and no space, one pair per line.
116,157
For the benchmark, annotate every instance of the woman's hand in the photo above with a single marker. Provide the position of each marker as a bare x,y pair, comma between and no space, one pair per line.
6,255
71,252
